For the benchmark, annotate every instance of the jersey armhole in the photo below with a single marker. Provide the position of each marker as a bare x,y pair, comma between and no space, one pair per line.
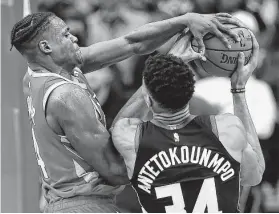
138,137
48,92
223,141
45,100
211,124
214,125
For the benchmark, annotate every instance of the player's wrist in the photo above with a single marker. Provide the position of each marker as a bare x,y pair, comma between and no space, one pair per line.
237,84
238,90
187,19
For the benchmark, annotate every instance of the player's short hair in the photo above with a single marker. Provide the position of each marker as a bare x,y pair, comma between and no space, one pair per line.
169,81
29,27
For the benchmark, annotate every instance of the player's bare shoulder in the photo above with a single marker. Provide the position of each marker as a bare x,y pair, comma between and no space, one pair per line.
125,130
125,125
70,101
231,133
66,95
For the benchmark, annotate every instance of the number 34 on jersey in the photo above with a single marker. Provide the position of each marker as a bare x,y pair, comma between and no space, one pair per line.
207,197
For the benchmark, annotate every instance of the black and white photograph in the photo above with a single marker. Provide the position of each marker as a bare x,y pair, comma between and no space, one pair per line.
139,106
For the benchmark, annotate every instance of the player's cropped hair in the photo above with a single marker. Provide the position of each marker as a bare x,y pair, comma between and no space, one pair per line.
29,27
169,81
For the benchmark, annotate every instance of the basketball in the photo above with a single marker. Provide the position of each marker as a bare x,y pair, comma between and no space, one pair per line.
222,61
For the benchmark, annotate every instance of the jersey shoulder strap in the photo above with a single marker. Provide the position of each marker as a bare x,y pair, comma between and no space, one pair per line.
50,89
53,82
138,136
209,122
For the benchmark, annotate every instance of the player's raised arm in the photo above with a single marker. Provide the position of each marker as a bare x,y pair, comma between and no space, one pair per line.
74,111
149,37
252,163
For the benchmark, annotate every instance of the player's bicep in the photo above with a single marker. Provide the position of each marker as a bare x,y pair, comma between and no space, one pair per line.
76,116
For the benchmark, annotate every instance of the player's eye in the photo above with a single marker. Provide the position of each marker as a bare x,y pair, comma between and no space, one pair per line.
67,35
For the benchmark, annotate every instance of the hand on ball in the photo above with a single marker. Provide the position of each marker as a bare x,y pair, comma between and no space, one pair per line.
182,48
201,24
243,72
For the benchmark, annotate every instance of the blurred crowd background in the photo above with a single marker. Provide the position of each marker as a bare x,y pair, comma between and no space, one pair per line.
99,20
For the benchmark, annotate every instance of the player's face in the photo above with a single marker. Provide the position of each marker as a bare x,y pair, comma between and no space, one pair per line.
65,50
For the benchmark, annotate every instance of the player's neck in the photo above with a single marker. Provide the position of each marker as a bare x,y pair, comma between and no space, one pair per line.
53,69
169,120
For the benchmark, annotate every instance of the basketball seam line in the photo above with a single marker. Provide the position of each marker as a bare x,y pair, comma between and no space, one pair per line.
219,66
223,50
204,68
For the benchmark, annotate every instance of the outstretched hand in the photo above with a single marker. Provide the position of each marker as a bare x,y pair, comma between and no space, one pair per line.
201,24
243,72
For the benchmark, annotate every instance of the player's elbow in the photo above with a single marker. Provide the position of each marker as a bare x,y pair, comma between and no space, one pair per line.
137,45
119,180
252,181
118,176
116,173
254,178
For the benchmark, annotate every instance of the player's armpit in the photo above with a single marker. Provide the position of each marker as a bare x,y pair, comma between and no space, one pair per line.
72,108
124,136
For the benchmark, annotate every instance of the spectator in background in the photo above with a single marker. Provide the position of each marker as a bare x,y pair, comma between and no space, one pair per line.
176,7
270,195
204,6
230,6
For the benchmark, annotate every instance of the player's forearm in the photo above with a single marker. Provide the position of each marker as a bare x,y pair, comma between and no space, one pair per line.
117,173
99,152
143,40
103,54
151,36
134,108
112,168
241,110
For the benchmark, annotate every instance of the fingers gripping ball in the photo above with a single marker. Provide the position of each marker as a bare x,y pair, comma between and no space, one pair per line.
222,61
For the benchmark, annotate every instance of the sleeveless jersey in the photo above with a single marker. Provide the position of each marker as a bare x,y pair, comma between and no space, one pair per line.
185,170
64,173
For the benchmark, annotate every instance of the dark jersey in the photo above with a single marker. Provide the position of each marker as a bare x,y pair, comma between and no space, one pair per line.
64,173
185,170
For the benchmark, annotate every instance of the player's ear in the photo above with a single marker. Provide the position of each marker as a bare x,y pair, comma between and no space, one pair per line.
146,95
148,101
45,47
